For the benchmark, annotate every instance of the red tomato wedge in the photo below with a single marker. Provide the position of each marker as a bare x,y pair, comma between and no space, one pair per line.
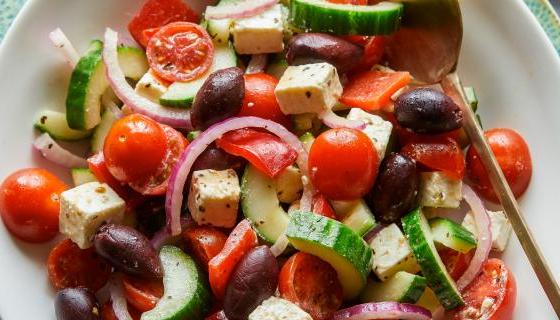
373,52
455,262
204,243
321,206
312,284
180,51
70,267
157,13
142,294
242,239
262,149
447,157
372,90
491,295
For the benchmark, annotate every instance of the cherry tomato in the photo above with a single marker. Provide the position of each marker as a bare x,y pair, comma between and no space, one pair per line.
512,153
312,284
157,13
180,51
107,312
260,100
455,262
204,243
495,289
142,294
29,204
321,206
69,267
447,157
343,164
373,52
134,148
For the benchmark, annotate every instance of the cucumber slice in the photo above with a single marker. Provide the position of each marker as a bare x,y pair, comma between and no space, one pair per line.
336,244
218,29
181,94
193,135
261,206
420,239
452,235
100,133
89,82
355,214
55,124
402,287
428,300
186,294
82,176
307,139
345,19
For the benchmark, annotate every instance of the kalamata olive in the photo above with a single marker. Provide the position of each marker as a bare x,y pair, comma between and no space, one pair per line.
217,159
150,216
254,280
76,304
220,97
426,110
307,48
128,250
395,190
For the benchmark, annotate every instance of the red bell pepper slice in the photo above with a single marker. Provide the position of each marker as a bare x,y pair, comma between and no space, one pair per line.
441,156
321,206
372,90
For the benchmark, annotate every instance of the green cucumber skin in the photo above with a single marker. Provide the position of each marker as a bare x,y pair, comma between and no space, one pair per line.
82,176
458,238
310,16
58,128
418,234
413,292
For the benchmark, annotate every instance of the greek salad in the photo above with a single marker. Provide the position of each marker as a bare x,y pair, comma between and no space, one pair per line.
262,160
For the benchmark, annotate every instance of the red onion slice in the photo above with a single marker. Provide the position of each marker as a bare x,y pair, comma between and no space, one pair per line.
162,236
117,297
280,245
333,120
257,64
172,117
59,39
174,196
52,151
383,310
484,243
239,9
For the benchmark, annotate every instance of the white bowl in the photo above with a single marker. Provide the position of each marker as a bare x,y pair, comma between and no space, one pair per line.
506,57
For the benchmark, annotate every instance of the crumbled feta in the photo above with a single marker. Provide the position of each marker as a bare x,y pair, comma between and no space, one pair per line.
85,208
263,33
278,309
214,197
150,87
289,186
437,190
309,88
377,129
391,253
500,226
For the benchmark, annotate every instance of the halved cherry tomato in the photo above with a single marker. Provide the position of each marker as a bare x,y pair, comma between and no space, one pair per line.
260,100
321,206
70,267
491,295
107,312
447,157
156,184
204,243
217,316
29,204
514,157
142,294
373,52
312,284
455,262
180,51
372,90
157,13
242,239
262,149
147,34
343,164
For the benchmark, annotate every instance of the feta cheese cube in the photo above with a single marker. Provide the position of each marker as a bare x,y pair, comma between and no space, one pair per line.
85,208
308,88
214,197
263,33
289,186
391,253
150,87
377,129
437,190
278,309
501,228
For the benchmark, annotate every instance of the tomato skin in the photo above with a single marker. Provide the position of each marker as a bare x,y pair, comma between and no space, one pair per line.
440,156
343,164
260,101
242,239
373,52
142,294
134,148
321,206
312,284
455,262
204,243
29,204
514,158
495,281
69,266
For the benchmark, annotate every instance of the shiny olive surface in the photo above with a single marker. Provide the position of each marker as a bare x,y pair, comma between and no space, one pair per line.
76,304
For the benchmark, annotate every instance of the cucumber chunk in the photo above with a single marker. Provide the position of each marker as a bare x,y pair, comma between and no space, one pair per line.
82,176
186,294
345,19
452,235
336,244
55,124
307,139
102,130
402,287
88,83
355,214
420,239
